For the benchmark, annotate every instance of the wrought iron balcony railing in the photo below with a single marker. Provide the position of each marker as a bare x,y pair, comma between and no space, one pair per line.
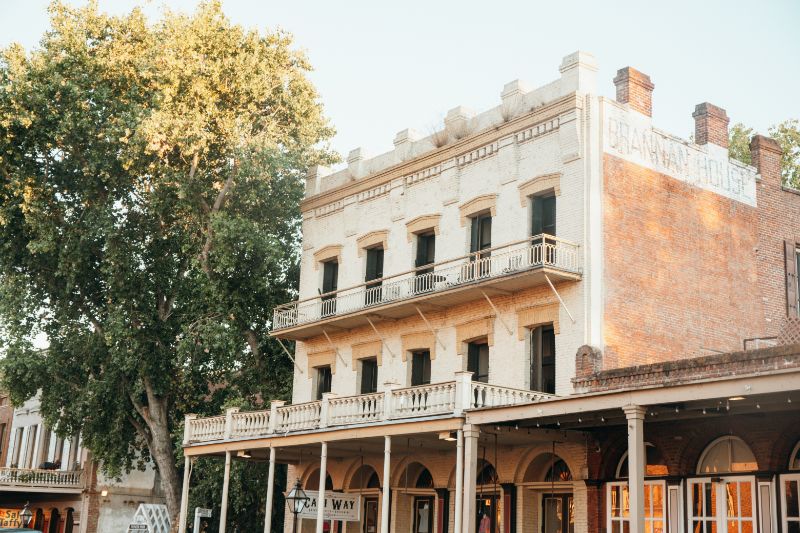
446,398
541,251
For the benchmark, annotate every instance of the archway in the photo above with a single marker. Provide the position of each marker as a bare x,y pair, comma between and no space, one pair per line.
55,519
727,454
655,465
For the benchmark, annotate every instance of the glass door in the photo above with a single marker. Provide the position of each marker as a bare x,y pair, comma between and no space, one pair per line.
558,513
423,514
722,504
370,515
487,514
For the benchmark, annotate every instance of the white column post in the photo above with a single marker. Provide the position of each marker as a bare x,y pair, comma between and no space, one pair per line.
187,475
387,460
323,474
388,387
273,414
636,465
470,475
270,491
463,391
223,512
459,480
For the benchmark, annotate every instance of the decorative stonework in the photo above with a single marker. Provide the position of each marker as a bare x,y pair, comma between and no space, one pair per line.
538,185
474,329
317,359
423,223
367,349
327,253
373,238
485,202
421,340
422,175
329,209
373,193
478,154
537,315
536,130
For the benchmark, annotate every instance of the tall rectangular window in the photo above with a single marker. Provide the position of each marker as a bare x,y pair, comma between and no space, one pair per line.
543,210
478,361
324,379
369,376
426,252
330,280
543,359
481,236
797,278
374,272
420,368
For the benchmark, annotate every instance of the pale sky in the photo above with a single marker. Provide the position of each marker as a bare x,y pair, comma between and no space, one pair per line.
381,67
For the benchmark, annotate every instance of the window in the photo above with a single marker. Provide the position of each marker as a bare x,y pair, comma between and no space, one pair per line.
654,466
369,376
420,368
543,360
330,279
727,454
543,210
618,507
481,237
478,361
324,378
373,293
792,260
426,252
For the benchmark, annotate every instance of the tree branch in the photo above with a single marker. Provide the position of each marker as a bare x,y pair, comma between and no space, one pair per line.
218,203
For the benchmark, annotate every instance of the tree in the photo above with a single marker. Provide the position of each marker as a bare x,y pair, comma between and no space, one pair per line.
787,133
149,221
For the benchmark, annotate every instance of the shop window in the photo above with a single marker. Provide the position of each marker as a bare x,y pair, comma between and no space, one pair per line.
324,379
727,454
543,359
478,360
618,506
420,368
369,375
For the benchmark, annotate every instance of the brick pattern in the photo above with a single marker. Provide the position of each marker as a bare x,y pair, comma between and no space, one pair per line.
635,89
710,125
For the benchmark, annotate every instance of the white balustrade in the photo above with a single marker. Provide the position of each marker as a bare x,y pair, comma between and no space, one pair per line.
355,409
250,424
424,400
298,417
487,395
539,251
34,477
207,429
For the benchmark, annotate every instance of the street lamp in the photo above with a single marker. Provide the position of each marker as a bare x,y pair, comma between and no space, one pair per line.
26,516
297,500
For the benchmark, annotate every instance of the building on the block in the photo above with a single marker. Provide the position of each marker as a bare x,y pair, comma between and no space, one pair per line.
550,317
57,479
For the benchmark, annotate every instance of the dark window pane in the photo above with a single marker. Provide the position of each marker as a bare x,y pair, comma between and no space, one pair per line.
481,233
420,368
324,379
478,361
544,215
543,359
369,376
374,293
792,507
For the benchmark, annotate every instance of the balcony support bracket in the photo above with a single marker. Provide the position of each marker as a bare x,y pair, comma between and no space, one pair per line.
378,333
334,348
291,358
497,313
435,335
559,298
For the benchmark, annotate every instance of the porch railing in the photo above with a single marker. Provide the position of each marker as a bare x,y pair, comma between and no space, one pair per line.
34,477
539,251
395,404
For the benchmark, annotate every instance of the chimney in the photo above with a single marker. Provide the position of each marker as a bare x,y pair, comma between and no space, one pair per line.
710,125
635,89
765,153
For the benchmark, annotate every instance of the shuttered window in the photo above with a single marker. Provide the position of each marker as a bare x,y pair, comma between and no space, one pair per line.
792,258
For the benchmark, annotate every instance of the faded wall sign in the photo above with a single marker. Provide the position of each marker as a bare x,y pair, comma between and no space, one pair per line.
631,136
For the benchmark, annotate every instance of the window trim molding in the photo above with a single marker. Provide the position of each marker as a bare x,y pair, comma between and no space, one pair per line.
326,253
367,350
371,239
323,358
478,328
537,315
538,185
421,224
420,340
477,205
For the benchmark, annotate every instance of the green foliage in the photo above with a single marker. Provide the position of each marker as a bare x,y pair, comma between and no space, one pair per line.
787,133
739,142
149,221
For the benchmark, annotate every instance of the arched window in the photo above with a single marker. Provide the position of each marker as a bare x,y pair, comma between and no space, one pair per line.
487,475
424,480
655,465
794,458
312,483
727,454
365,478
559,471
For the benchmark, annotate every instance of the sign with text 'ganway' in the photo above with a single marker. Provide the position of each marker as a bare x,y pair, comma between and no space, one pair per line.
338,506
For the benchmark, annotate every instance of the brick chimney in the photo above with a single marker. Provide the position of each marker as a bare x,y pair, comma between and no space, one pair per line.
765,153
635,89
710,125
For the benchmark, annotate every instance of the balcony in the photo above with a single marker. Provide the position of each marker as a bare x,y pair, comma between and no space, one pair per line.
39,480
510,267
450,398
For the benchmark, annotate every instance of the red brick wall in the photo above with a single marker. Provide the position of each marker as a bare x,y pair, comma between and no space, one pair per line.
681,271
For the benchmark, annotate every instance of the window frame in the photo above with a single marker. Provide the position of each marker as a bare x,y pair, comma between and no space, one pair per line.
477,226
535,345
426,366
373,364
476,349
648,512
542,201
318,382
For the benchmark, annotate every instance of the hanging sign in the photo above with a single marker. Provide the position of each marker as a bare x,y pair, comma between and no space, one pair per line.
338,506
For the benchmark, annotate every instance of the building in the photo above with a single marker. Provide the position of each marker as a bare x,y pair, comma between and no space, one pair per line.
57,478
492,317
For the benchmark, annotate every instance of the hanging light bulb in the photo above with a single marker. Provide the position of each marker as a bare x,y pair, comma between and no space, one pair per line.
704,410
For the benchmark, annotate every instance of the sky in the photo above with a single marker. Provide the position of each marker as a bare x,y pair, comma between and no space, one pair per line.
381,67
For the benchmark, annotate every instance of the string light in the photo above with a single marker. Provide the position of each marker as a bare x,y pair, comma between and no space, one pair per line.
704,410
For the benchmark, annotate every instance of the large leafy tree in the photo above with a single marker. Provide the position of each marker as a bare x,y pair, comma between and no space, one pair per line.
787,133
149,221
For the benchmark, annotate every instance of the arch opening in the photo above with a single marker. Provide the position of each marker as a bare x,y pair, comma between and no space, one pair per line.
655,464
725,455
547,467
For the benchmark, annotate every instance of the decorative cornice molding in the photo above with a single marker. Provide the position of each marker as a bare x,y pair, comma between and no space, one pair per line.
477,205
326,253
538,185
423,223
368,240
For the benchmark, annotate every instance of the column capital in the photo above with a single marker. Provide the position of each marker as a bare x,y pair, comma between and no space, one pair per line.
634,411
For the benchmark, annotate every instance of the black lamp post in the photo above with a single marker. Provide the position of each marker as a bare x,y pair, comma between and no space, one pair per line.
25,516
297,500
